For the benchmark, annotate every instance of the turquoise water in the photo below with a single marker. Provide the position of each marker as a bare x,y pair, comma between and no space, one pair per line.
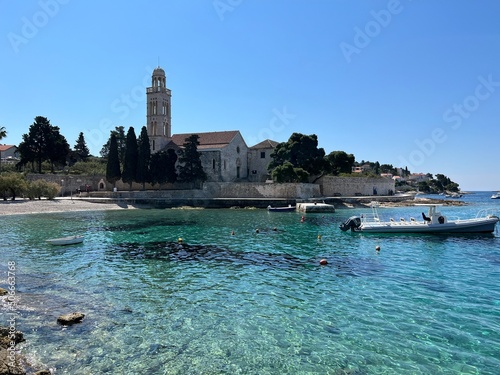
253,303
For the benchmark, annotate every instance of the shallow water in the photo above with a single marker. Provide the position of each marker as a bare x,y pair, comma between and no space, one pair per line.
253,303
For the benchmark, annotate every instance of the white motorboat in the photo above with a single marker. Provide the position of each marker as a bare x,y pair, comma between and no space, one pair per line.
496,195
70,240
434,222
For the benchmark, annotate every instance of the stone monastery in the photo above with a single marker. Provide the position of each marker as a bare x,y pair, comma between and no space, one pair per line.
224,154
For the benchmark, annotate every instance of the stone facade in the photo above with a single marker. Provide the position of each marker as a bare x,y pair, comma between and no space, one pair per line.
259,157
223,154
158,111
332,186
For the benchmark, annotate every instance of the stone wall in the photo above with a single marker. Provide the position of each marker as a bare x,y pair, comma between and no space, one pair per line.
332,186
262,190
328,186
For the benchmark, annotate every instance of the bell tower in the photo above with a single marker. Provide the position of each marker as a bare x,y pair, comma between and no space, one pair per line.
158,114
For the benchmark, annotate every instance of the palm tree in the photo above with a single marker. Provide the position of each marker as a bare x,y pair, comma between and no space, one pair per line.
3,134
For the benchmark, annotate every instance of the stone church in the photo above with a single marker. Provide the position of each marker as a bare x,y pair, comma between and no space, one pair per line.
225,155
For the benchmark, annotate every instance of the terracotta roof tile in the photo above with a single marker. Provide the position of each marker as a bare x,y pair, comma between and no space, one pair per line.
265,144
209,139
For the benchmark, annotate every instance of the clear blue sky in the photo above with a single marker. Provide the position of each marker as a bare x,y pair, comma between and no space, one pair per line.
408,83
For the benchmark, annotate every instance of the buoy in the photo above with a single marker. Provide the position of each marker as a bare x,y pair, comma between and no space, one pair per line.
257,230
377,248
179,240
302,219
323,262
319,236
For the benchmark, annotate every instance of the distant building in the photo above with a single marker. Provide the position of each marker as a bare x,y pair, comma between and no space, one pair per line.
259,157
9,154
415,178
225,156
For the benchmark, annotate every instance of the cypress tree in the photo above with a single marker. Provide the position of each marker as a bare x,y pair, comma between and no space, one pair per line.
191,169
113,172
131,155
81,149
144,158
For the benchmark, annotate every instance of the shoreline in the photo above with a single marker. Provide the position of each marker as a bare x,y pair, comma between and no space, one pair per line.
22,206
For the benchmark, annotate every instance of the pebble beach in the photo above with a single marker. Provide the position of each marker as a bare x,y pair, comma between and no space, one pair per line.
26,206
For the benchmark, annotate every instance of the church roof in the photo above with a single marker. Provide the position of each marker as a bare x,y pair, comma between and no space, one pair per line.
208,140
264,144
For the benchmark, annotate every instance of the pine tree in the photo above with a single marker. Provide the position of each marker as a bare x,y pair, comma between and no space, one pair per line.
131,155
113,173
191,169
144,158
81,149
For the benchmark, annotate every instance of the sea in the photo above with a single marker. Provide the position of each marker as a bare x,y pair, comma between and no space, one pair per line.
242,291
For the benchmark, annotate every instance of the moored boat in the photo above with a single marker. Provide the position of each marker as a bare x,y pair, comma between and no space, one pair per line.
290,208
69,240
434,222
496,195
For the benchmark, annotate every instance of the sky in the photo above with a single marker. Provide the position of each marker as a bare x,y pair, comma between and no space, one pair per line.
412,83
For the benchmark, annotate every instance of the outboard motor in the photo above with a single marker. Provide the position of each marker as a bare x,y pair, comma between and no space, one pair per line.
353,223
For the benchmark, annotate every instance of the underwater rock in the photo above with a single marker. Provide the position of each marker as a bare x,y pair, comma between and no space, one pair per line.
69,319
9,360
3,291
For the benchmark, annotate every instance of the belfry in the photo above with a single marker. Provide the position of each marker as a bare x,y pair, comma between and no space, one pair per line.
158,112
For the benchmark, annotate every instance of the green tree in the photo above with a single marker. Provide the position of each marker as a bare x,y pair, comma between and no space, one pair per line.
163,167
113,172
287,173
302,152
81,150
12,184
131,155
42,188
144,158
191,169
43,142
340,162
120,140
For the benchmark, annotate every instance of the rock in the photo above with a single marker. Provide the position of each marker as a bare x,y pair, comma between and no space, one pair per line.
43,372
71,318
8,366
5,339
3,291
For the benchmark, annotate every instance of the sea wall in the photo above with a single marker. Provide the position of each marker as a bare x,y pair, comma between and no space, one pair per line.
327,186
332,186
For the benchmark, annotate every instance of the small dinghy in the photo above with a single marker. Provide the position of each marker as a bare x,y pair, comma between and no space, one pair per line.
70,240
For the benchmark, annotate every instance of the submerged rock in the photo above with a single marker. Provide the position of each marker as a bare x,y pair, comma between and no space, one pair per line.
9,360
69,319
3,291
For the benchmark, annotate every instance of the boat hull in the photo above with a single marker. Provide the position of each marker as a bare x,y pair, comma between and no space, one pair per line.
485,225
70,240
281,209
